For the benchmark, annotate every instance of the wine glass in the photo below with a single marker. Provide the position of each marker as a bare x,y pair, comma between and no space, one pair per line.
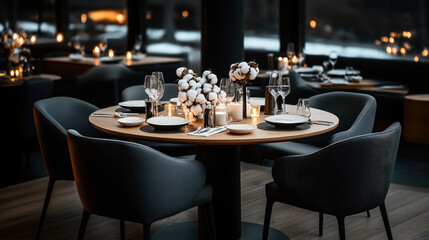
148,87
333,58
158,85
284,90
303,107
228,87
273,88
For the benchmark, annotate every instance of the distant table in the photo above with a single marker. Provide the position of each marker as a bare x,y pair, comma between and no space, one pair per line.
20,81
65,67
221,155
416,118
366,84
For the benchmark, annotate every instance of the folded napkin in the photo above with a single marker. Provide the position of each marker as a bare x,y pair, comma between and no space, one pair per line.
209,132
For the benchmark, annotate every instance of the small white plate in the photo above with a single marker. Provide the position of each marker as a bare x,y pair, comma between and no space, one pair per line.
76,56
167,122
286,120
175,100
131,121
241,128
257,100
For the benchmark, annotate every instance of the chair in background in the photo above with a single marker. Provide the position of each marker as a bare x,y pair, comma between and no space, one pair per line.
53,116
299,88
171,91
347,177
132,182
355,111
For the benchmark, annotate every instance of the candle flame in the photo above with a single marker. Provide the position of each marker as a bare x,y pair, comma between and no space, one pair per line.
111,53
33,39
129,55
313,24
60,37
425,53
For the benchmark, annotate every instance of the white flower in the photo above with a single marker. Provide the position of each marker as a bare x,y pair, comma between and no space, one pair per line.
182,96
242,64
212,96
207,90
201,99
245,69
192,94
179,71
237,74
216,89
184,86
213,78
252,74
188,77
206,73
190,71
196,110
189,103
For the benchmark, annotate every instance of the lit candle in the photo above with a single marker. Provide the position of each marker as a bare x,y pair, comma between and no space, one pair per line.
129,56
220,115
33,39
17,73
12,73
255,110
170,109
111,53
283,63
60,37
236,111
96,51
15,36
21,41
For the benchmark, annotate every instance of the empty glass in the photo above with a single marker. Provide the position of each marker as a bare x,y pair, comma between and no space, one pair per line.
273,88
158,85
349,74
333,58
303,107
228,87
284,90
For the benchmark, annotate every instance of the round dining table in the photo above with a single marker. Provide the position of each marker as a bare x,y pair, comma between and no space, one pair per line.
220,153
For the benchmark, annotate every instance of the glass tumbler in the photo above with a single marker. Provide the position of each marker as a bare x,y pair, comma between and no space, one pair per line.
303,107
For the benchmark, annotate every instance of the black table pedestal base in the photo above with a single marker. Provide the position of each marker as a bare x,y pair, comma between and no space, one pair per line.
188,231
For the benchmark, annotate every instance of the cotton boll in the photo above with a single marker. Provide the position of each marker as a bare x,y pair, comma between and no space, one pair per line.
181,81
212,96
196,110
213,79
207,85
188,77
198,79
231,75
245,69
182,97
242,64
192,83
216,89
198,85
201,99
252,74
199,90
202,81
192,94
207,90
184,86
237,74
190,71
206,73
179,71
189,103
257,70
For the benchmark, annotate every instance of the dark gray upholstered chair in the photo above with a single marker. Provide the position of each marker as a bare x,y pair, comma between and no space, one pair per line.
355,111
299,88
53,116
132,182
347,177
171,91
102,85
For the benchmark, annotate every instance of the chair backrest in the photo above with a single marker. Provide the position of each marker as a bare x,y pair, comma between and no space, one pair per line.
130,181
53,116
344,178
355,111
137,92
299,88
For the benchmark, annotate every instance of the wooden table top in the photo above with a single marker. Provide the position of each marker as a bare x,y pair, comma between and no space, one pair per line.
367,84
418,97
91,61
19,81
263,134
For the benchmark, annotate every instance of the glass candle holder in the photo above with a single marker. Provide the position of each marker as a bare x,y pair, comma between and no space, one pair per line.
255,110
170,109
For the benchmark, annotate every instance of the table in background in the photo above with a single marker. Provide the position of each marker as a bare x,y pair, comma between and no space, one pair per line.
220,154
416,118
365,84
67,68
20,81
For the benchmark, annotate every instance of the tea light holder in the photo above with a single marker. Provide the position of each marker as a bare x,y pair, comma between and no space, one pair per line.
255,110
170,109
220,116
129,56
96,51
236,111
111,53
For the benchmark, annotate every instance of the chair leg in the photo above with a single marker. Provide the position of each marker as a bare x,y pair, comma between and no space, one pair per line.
210,220
386,221
83,223
320,223
122,224
341,227
368,213
45,206
146,231
268,210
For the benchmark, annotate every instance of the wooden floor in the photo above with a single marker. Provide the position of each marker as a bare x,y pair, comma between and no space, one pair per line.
21,205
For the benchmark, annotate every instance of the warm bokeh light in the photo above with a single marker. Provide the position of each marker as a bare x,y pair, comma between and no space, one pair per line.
129,56
388,49
313,24
377,42
392,34
425,53
294,59
408,34
279,59
149,15
33,39
83,18
21,41
96,51
12,73
110,16
394,50
60,37
111,53
391,40
403,51
15,36
185,14
384,39
120,18
17,73
416,59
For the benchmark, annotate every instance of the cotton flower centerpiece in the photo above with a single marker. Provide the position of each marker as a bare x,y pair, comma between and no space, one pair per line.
241,73
195,92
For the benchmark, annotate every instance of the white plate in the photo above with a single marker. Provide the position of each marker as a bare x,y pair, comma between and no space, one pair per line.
257,100
241,128
341,72
110,60
286,120
131,121
138,56
76,56
133,104
175,100
338,81
167,122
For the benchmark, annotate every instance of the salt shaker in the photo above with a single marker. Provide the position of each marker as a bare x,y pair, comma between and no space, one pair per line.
209,116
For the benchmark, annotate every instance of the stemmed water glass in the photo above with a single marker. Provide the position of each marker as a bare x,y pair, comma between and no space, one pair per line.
333,58
284,90
228,87
273,88
158,85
